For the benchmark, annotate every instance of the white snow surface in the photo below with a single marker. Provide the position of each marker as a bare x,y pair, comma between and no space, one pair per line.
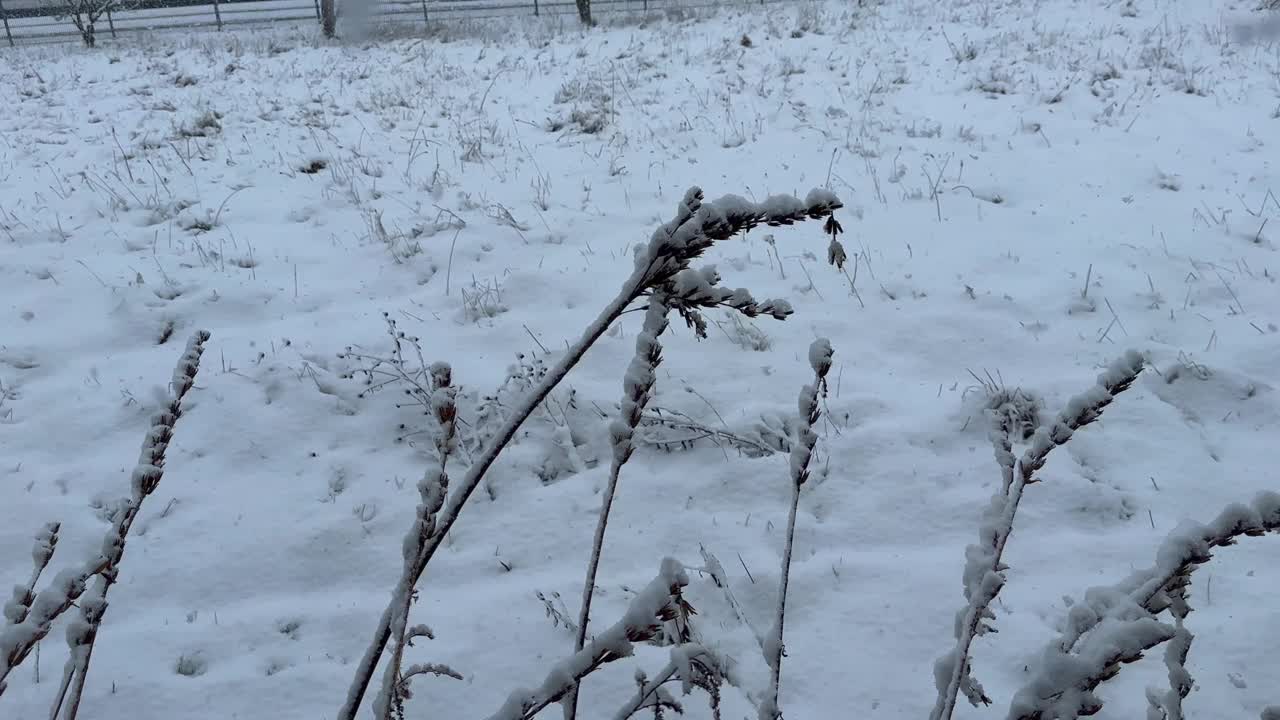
486,187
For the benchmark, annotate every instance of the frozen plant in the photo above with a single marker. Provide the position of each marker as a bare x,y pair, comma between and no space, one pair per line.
692,666
432,488
29,616
404,370
689,293
820,353
660,602
661,266
984,573
405,365
1014,412
1115,625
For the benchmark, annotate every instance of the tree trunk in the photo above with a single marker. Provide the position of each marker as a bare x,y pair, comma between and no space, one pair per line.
584,12
90,40
329,17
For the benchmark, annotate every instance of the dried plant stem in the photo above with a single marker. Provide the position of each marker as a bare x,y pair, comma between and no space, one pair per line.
14,643
820,353
670,250
46,542
475,473
676,420
1115,625
83,632
984,568
686,661
433,488
659,602
637,386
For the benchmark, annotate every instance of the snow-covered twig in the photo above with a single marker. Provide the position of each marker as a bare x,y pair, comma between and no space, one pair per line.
657,603
17,637
672,247
1116,625
820,353
380,371
984,569
83,632
46,541
432,489
637,387
691,665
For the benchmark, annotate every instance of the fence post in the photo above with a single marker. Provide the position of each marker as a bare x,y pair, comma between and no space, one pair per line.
329,18
535,8
318,11
111,23
425,18
217,14
5,17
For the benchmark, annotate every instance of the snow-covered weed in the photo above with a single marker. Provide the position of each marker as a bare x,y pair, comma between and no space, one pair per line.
201,124
30,614
482,300
585,104
664,281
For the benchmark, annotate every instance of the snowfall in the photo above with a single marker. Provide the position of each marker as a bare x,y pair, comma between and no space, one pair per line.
1030,190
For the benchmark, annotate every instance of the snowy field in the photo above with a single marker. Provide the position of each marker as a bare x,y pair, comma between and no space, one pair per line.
1030,189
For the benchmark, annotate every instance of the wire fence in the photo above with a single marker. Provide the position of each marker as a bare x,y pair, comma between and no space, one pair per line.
34,22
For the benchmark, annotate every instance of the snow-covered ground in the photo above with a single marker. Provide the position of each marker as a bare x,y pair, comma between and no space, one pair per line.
1032,188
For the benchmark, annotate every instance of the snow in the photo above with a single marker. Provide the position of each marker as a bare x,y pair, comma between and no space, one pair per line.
1026,198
